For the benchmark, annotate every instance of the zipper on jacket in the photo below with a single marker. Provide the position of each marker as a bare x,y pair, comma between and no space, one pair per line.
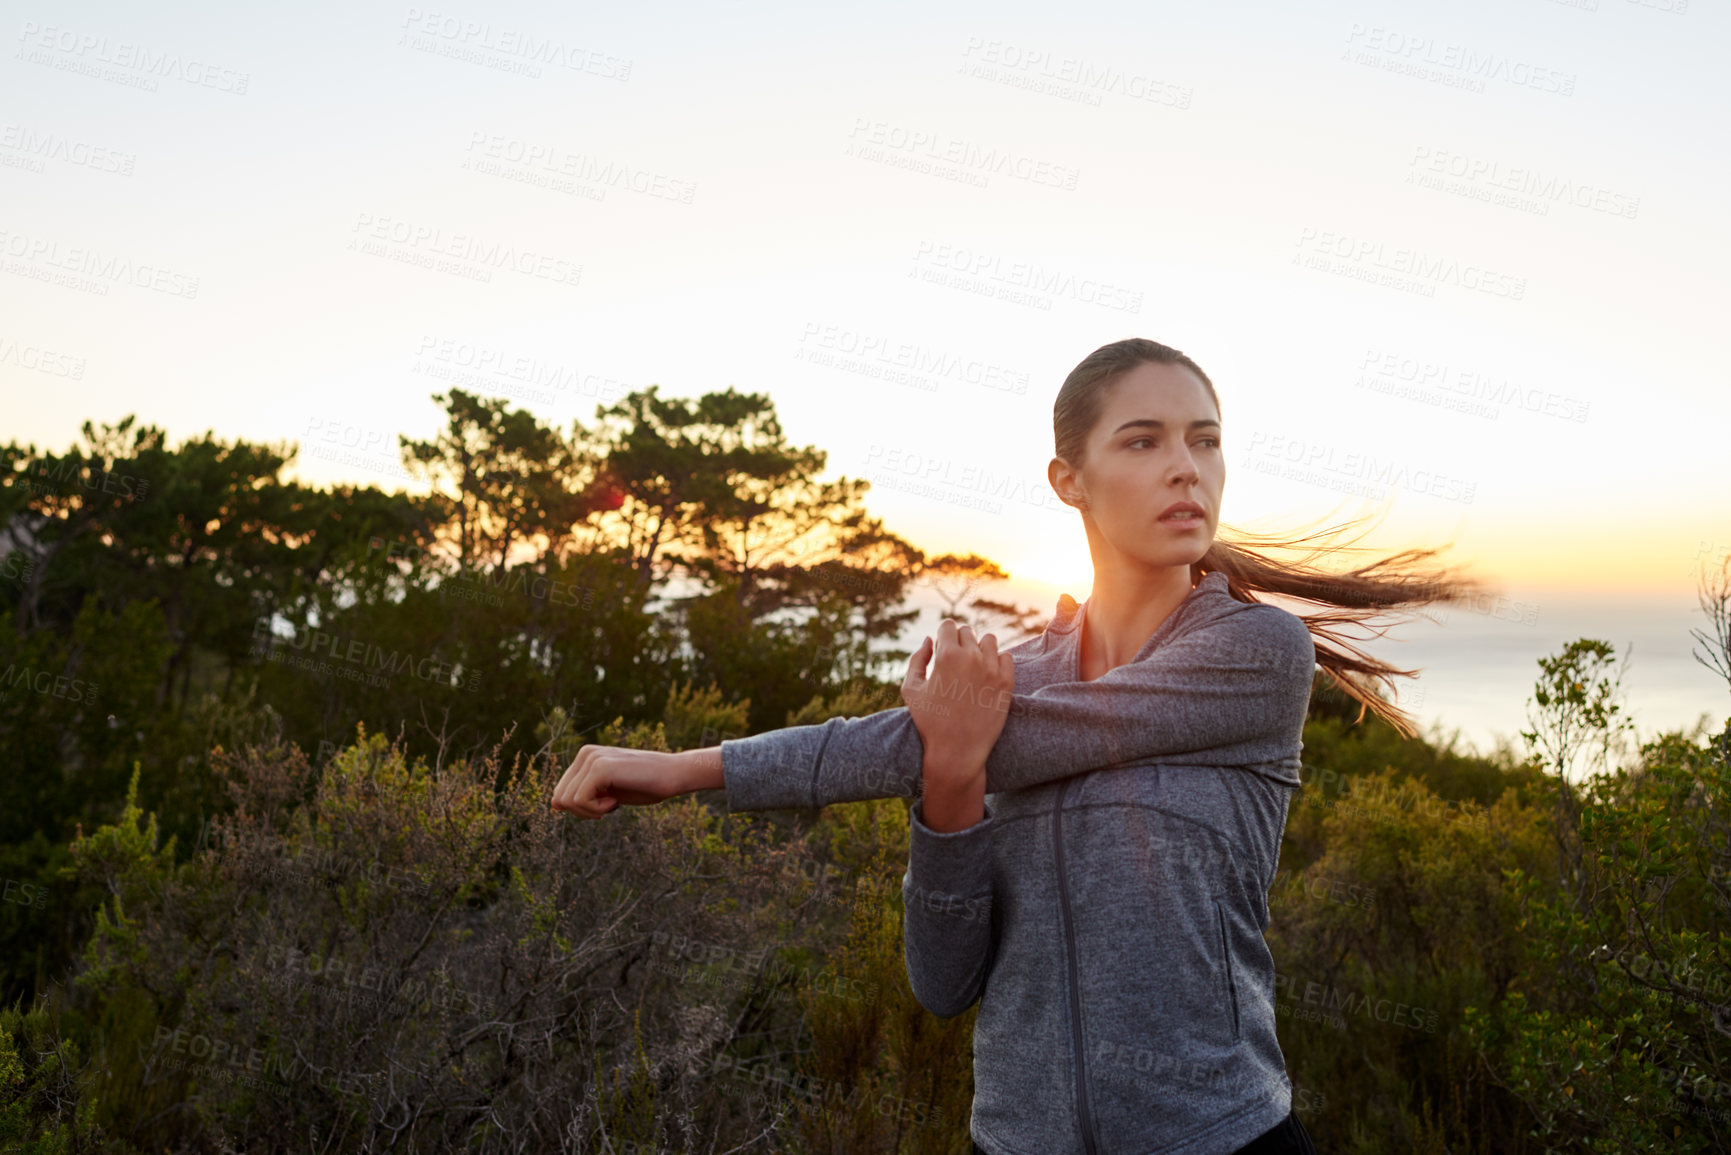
1226,953
1082,1110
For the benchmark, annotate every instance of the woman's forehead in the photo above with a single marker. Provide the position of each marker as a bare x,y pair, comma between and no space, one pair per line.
1170,394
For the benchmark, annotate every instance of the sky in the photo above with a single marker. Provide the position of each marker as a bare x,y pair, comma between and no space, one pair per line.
1457,265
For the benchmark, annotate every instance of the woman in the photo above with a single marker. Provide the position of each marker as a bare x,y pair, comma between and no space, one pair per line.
1099,809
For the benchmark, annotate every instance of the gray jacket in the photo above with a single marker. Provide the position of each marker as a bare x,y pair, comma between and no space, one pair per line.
1108,910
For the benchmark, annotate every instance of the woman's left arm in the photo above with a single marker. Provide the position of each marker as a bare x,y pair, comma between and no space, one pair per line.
948,940
959,711
1237,689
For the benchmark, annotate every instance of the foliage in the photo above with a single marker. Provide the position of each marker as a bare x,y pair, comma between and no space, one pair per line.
1619,1037
411,955
322,902
882,1073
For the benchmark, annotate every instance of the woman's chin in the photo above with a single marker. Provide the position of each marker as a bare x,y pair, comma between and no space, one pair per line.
1167,561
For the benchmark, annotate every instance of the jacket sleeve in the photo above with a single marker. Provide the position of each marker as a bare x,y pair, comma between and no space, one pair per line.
1226,690
947,929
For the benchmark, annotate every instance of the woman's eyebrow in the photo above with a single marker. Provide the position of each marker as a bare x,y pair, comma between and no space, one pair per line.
1151,422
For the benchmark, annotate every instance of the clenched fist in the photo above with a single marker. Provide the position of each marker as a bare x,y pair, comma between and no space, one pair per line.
603,778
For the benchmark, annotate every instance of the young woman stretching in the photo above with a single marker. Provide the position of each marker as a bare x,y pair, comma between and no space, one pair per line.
1099,809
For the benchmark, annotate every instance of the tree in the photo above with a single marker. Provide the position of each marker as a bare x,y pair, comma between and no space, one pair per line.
1715,654
713,489
1010,622
1618,1039
656,461
507,479
1576,713
956,576
857,595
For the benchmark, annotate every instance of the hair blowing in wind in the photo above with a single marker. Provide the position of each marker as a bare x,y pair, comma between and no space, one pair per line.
1366,597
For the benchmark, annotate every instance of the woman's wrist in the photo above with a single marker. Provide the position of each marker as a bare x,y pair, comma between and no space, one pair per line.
953,800
701,769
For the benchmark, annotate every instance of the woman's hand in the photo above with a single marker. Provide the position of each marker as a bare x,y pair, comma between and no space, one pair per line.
602,778
959,711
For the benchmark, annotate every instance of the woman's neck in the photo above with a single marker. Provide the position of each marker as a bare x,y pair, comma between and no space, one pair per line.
1121,616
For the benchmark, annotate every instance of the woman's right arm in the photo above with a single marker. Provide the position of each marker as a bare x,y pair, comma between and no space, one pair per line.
1230,689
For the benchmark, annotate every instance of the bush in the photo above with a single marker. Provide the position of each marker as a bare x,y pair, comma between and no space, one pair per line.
381,953
1617,1039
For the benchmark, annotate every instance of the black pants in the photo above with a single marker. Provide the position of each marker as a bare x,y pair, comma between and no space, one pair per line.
1284,1138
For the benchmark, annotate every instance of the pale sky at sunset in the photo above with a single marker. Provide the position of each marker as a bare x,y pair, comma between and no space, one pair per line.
1468,257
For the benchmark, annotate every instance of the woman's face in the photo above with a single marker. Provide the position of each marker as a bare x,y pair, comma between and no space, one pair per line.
1156,444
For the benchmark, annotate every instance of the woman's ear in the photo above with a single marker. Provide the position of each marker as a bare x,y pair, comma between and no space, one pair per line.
1063,481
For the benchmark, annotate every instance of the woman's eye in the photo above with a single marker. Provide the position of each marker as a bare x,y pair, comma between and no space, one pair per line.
1211,442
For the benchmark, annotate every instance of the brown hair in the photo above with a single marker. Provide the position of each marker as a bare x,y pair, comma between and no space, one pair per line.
1358,596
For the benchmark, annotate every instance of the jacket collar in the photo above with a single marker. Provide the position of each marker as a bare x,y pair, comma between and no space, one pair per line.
1067,621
